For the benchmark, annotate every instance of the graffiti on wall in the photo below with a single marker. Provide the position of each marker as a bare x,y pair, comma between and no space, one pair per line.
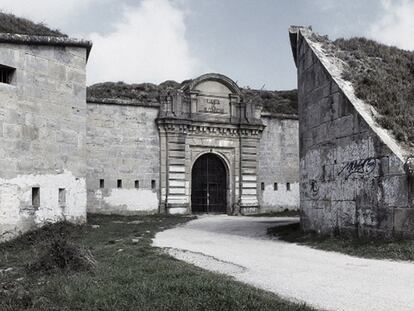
363,166
314,187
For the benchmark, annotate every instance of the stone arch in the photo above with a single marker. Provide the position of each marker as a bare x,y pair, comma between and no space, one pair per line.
229,83
214,198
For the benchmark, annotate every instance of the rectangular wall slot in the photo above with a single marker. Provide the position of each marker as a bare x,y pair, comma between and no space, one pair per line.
6,74
119,183
101,183
153,185
137,184
275,186
36,197
288,186
62,197
262,186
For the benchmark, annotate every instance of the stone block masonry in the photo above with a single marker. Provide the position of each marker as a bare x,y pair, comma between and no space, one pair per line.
42,135
353,176
278,167
141,154
122,145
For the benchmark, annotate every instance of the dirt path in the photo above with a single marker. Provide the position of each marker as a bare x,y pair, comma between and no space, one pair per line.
238,246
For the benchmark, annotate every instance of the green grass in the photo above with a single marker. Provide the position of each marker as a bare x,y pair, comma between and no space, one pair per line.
284,213
10,23
126,276
285,102
379,249
382,76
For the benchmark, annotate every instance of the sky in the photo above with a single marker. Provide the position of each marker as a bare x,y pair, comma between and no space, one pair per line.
156,40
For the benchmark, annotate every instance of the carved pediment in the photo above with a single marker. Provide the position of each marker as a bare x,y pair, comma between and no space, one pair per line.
212,97
209,98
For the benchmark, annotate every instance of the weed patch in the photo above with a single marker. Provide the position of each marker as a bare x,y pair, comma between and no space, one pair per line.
379,249
284,213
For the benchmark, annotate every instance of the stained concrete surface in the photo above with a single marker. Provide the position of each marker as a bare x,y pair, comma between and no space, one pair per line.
239,247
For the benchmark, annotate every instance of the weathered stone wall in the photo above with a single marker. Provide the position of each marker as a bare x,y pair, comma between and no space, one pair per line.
350,179
122,144
278,163
42,137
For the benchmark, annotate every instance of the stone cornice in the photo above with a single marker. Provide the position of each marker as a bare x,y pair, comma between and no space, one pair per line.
121,102
46,40
209,129
279,115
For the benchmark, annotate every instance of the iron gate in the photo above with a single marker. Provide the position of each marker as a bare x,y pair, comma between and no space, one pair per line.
209,185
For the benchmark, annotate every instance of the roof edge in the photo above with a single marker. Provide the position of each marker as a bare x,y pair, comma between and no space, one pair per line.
293,36
121,102
275,115
365,110
46,40
213,77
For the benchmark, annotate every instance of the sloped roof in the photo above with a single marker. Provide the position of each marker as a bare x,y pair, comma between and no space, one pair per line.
382,76
376,78
12,24
282,102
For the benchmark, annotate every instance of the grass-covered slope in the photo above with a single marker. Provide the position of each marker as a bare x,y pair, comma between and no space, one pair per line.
382,76
10,23
353,246
143,92
285,102
272,101
116,269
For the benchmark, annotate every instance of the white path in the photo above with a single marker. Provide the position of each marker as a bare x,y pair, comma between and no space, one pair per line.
238,246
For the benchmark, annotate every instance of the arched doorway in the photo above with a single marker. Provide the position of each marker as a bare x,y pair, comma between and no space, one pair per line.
209,185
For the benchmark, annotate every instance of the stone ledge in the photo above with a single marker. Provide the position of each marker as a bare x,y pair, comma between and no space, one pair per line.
46,40
122,102
279,115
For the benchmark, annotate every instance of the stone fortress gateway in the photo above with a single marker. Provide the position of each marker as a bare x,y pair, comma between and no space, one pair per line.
202,149
203,146
209,144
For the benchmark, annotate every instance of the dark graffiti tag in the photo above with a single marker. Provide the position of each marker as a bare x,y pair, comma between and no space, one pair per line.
314,187
364,166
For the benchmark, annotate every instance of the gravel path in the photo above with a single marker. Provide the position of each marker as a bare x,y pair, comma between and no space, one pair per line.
238,246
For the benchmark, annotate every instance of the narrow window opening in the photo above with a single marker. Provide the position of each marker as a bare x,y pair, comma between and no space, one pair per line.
101,183
262,186
275,186
6,74
323,172
153,184
119,183
36,197
288,186
62,196
137,184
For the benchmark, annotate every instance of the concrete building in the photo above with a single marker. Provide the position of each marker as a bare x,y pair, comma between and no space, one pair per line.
42,128
355,176
201,146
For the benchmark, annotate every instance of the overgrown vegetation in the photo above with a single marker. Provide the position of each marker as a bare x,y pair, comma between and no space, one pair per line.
382,76
366,248
272,101
127,274
285,102
10,23
142,92
284,213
